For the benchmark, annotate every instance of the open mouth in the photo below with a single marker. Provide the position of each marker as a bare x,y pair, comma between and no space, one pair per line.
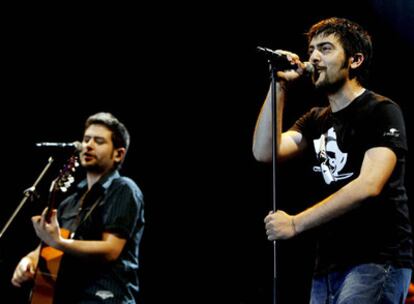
88,156
318,72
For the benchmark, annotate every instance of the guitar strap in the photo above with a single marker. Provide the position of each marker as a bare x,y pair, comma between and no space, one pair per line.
97,194
87,215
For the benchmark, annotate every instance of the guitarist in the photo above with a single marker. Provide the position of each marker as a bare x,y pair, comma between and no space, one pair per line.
105,216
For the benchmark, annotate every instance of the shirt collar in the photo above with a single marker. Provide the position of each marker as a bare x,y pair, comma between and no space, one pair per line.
104,182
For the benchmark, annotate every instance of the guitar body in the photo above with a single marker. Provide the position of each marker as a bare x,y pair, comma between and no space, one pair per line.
46,273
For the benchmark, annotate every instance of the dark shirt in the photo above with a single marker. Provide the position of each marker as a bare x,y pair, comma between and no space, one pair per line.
114,205
379,230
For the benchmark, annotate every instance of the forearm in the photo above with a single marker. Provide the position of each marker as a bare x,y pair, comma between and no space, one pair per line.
377,167
262,138
335,205
108,249
81,248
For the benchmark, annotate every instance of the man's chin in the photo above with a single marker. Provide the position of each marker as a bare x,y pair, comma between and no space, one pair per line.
328,88
92,167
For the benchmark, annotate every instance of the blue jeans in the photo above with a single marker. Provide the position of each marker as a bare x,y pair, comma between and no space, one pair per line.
362,284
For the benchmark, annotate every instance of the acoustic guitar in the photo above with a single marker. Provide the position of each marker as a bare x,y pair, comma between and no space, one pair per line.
49,258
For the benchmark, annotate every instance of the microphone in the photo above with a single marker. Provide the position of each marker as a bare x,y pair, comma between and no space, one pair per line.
77,145
281,62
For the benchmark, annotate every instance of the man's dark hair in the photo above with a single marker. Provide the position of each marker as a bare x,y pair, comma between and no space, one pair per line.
120,134
354,39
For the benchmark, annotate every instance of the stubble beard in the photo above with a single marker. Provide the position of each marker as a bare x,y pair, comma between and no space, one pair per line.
328,86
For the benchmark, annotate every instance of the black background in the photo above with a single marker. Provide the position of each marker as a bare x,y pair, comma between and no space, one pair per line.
188,83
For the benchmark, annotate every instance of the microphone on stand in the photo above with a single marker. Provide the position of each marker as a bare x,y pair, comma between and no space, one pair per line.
77,145
282,63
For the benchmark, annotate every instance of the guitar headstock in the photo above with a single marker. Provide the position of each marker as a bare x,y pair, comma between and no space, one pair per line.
65,178
61,183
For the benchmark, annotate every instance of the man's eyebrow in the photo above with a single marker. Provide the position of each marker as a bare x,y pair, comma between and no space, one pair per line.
322,43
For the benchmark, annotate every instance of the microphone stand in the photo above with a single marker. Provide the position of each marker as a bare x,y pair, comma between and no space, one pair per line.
273,99
277,62
28,193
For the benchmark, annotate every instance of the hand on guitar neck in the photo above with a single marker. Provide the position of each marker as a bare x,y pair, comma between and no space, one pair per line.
47,230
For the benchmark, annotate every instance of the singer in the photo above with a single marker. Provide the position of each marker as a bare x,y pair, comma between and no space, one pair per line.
106,217
357,148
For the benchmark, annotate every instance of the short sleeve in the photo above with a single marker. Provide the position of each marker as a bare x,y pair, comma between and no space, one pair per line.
124,208
388,127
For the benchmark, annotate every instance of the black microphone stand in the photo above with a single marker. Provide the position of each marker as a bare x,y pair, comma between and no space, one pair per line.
273,99
276,63
28,193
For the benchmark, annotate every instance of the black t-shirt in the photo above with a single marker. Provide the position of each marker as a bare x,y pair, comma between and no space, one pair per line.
379,230
115,205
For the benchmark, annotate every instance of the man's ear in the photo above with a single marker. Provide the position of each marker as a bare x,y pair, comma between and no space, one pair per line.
119,154
356,60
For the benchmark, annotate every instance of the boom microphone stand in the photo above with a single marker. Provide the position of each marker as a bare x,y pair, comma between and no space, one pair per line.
28,193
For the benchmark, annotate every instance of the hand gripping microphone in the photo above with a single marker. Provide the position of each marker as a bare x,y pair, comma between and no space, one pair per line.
281,63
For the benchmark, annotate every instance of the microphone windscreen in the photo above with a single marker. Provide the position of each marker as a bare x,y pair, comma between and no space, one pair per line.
309,68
